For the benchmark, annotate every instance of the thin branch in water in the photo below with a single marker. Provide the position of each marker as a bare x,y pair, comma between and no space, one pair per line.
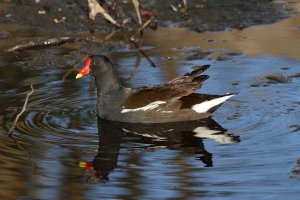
43,43
72,69
11,136
146,24
142,28
22,111
110,35
68,73
10,132
142,52
136,66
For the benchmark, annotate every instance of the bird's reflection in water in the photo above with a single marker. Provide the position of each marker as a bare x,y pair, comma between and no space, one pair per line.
185,136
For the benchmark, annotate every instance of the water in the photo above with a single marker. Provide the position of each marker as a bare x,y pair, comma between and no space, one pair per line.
250,149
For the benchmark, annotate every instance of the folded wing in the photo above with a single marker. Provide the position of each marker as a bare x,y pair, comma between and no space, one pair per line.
174,89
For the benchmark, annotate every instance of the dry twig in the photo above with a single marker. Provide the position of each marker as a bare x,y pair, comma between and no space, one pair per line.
142,28
174,8
137,10
184,3
146,24
95,8
12,136
110,35
22,111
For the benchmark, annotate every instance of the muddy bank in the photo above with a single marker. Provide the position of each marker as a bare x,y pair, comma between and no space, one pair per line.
219,15
213,15
56,18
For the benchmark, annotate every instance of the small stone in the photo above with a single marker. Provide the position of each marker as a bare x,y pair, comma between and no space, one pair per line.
228,55
236,83
197,54
276,78
58,21
42,12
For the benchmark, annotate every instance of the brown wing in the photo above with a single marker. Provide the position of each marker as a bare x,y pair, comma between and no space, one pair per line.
188,77
174,89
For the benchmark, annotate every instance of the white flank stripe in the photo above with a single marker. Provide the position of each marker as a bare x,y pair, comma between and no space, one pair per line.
150,106
146,135
207,105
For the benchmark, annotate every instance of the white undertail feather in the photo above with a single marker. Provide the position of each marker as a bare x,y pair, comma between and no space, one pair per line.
207,105
205,132
150,106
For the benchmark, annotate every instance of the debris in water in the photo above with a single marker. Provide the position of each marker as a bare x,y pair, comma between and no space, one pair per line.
276,78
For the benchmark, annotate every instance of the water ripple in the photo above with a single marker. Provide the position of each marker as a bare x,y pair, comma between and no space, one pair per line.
61,122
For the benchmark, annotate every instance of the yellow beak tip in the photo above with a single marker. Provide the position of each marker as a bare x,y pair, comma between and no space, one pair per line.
79,76
82,164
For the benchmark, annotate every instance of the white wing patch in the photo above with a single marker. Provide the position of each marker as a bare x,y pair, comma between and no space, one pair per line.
207,105
150,106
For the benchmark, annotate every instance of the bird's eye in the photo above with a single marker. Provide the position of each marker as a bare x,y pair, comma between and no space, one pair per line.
96,62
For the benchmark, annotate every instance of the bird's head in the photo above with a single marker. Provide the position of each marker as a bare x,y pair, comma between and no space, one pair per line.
95,65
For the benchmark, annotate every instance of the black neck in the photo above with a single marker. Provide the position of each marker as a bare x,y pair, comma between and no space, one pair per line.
106,83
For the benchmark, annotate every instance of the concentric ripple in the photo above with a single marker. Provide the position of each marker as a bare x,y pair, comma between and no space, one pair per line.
56,120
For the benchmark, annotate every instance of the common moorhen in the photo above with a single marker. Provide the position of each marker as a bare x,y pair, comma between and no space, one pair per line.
170,102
